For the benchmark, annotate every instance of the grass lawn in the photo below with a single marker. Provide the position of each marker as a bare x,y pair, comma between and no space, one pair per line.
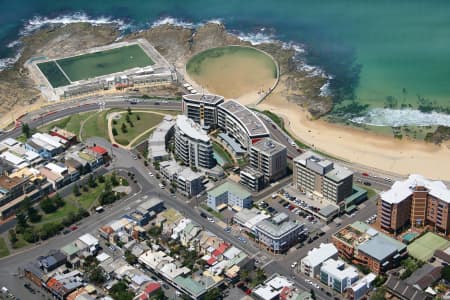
20,242
370,192
142,138
86,199
424,247
97,125
4,251
147,121
59,214
222,153
71,123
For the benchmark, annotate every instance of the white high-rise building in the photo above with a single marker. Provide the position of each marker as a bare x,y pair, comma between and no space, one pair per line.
192,144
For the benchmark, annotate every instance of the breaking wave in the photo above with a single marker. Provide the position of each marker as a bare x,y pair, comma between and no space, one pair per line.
404,117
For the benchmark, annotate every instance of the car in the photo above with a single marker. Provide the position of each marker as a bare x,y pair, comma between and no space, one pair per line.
166,286
150,173
74,227
227,229
387,179
365,174
203,215
115,145
66,231
294,264
367,183
211,220
135,157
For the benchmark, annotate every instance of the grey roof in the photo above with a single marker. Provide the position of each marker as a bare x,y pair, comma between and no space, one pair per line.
328,210
269,146
381,246
237,148
338,173
151,203
229,187
276,230
403,290
252,172
252,124
202,98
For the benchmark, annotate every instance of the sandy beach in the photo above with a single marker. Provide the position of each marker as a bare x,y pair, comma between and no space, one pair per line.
369,149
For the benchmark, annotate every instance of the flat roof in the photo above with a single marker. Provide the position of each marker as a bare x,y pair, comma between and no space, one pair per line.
237,148
276,230
337,173
268,145
231,187
88,239
252,124
401,190
316,256
338,269
191,129
203,98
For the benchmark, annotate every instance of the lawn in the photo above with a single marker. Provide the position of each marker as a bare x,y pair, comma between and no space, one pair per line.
423,248
147,121
4,251
96,126
142,138
100,63
71,123
59,214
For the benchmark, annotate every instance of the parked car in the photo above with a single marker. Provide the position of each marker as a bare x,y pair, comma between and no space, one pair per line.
203,215
367,183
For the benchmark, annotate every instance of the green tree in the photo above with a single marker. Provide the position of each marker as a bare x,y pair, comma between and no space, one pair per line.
114,131
30,235
159,295
138,117
91,181
21,219
58,201
379,294
76,190
114,121
101,179
124,128
26,130
313,294
130,257
127,119
129,110
445,272
119,291
114,180
131,124
12,236
213,294
47,205
97,276
33,215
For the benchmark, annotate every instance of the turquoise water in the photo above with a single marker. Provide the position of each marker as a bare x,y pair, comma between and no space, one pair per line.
373,49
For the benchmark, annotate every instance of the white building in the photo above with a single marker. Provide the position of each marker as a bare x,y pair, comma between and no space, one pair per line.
335,274
202,109
241,123
192,144
269,157
159,138
310,264
87,243
272,287
231,194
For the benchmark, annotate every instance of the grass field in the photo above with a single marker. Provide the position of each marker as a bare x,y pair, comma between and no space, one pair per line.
423,248
4,251
96,125
71,123
104,62
53,74
147,121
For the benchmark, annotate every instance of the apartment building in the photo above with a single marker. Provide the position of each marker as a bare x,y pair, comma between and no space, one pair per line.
269,157
229,194
241,123
335,274
252,179
189,183
322,178
310,264
192,144
158,140
363,245
202,109
278,234
415,202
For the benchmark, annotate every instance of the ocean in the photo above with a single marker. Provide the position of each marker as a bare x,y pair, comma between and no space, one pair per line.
388,55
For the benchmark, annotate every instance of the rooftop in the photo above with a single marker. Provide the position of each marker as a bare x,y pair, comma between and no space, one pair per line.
230,187
202,98
253,125
276,230
88,239
401,190
269,146
191,129
332,171
317,256
188,175
338,270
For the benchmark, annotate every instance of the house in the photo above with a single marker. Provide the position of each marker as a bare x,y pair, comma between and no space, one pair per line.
70,137
53,260
87,243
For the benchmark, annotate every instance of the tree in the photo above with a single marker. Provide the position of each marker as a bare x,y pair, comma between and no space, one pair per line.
131,124
114,121
58,201
101,178
313,294
33,215
127,119
124,128
119,291
114,180
130,257
47,205
12,236
445,272
76,190
26,130
114,131
21,219
213,294
159,295
30,235
91,181
129,110
97,276
138,117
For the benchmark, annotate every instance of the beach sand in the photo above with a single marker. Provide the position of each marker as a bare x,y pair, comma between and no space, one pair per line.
247,75
364,148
